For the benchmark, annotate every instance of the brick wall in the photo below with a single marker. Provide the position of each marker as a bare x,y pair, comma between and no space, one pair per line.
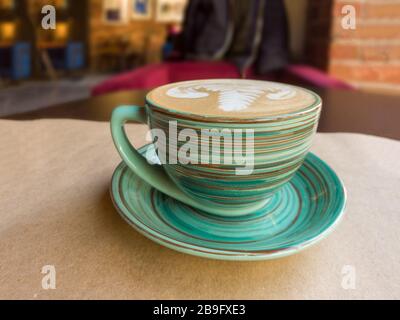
369,56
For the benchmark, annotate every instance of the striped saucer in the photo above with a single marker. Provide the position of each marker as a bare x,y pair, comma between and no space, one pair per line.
301,213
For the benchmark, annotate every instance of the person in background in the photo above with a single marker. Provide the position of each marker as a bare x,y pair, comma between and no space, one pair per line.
250,33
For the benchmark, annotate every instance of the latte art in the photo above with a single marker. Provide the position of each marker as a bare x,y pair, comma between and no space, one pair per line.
235,98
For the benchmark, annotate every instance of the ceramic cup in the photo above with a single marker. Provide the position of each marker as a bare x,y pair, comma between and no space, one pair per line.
265,130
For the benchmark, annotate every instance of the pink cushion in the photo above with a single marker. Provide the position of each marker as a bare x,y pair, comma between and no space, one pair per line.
155,75
312,76
141,78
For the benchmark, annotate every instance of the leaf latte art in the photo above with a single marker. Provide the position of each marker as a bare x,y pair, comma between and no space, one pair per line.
232,97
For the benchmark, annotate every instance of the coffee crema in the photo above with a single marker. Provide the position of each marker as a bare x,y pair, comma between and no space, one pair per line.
232,98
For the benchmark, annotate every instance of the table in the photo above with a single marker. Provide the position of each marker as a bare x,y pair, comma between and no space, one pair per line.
56,211
343,111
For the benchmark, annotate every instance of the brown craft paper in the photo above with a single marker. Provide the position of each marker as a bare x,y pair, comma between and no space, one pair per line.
55,209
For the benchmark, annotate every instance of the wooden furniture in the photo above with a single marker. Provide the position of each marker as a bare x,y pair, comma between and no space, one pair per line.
79,24
343,111
115,54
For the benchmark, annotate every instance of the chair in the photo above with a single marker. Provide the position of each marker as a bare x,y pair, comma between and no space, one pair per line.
155,75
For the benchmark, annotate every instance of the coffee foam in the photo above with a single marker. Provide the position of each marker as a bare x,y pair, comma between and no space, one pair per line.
235,98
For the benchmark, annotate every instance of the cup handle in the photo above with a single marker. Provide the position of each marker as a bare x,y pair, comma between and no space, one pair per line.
155,174
152,174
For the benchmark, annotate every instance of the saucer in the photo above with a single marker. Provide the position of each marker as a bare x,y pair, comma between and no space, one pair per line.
301,213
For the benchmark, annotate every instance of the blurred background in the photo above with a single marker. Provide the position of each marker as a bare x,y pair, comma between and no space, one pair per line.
102,46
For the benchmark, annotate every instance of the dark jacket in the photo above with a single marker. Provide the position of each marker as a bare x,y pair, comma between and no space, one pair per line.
251,32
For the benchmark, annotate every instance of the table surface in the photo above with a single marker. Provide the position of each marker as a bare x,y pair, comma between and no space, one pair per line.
55,210
343,111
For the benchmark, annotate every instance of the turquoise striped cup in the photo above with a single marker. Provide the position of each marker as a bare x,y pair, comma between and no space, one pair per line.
225,145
